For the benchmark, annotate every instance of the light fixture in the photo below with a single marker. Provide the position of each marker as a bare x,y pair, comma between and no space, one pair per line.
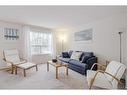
62,40
120,33
62,35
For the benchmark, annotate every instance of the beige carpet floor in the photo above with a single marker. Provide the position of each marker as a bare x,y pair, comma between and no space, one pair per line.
43,79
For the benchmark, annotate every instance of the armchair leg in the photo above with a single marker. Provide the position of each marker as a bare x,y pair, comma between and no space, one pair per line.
90,87
36,68
91,83
24,71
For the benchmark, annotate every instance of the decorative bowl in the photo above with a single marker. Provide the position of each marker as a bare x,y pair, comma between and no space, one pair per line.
54,60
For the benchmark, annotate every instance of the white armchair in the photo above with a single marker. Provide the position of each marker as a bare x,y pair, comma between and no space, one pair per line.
11,57
13,61
109,78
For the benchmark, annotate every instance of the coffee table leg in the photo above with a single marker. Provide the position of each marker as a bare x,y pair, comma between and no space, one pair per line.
47,66
56,72
66,70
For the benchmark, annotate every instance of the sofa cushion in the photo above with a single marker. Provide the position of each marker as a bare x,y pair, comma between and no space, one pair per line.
65,55
70,53
77,63
64,59
91,61
78,69
86,56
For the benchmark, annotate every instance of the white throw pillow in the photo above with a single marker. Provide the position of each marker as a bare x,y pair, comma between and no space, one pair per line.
76,55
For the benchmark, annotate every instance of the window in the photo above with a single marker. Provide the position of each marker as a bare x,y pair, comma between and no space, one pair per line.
40,42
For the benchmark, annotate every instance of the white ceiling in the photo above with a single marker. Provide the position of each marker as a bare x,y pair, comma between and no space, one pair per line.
58,16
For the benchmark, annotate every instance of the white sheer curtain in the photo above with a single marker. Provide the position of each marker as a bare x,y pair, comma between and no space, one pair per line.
40,42
26,41
34,40
53,45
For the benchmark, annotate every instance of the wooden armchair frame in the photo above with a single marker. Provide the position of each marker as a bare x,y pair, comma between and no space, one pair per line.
101,71
13,66
103,66
13,59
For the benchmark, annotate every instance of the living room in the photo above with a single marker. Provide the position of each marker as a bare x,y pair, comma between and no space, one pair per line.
51,30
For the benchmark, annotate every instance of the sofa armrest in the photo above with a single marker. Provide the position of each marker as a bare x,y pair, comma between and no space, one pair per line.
100,65
91,61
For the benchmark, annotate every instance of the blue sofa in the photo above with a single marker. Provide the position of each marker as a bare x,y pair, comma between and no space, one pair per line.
79,66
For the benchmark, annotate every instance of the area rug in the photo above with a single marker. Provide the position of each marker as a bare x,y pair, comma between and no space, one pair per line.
43,79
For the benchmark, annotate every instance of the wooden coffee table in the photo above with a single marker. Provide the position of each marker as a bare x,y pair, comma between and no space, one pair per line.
57,65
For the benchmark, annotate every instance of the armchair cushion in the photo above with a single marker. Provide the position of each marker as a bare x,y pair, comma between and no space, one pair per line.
21,62
99,80
108,78
12,56
116,69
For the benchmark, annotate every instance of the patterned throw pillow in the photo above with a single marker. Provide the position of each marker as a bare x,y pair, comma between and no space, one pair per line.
76,55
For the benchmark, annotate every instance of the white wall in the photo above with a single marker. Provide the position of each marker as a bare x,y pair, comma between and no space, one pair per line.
58,35
5,44
105,42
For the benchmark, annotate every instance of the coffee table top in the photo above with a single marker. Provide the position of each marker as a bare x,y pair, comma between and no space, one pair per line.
57,64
